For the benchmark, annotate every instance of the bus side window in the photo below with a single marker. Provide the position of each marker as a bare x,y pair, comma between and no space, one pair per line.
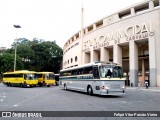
95,72
74,72
81,71
88,70
61,73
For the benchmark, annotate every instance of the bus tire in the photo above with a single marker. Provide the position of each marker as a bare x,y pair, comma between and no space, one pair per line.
7,84
24,85
21,85
57,83
40,84
89,90
65,87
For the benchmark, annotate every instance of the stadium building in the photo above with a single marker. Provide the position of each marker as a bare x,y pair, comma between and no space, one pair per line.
130,37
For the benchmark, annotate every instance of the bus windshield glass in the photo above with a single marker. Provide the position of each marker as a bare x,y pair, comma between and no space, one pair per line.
30,76
49,76
110,71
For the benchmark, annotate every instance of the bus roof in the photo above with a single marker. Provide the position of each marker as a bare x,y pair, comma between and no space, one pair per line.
56,74
19,71
45,72
91,64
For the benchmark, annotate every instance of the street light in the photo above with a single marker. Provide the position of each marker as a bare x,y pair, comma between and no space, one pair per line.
15,54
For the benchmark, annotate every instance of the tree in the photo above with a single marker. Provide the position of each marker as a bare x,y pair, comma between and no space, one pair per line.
38,55
48,56
24,52
7,62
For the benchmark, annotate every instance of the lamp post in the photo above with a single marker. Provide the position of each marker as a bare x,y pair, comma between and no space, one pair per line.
82,33
15,54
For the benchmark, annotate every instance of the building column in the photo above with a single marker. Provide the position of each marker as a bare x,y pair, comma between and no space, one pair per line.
133,11
117,54
91,58
143,72
86,58
104,54
86,30
151,5
152,61
94,56
94,26
133,63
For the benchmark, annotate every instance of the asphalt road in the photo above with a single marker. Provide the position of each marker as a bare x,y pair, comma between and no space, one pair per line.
55,98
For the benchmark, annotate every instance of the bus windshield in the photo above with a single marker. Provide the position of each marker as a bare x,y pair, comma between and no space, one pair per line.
49,76
30,76
110,71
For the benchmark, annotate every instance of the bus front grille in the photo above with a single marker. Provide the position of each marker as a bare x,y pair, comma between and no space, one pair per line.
115,87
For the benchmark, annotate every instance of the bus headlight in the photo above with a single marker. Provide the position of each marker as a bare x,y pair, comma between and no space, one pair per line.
123,86
107,87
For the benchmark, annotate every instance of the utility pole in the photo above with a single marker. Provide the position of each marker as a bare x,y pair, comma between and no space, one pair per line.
82,32
15,54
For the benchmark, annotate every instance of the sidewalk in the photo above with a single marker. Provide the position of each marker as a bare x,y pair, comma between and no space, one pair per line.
143,88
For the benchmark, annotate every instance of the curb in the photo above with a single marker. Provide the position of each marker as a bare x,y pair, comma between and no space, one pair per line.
143,88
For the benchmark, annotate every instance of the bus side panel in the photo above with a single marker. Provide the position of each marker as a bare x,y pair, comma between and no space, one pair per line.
97,86
40,80
50,81
31,82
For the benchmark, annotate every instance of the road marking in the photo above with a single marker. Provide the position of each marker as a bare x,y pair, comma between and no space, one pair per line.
29,99
2,95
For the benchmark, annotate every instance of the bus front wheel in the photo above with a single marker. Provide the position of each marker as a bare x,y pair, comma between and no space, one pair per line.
89,90
24,84
21,85
40,84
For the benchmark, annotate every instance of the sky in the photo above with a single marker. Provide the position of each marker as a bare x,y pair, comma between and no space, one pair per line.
52,20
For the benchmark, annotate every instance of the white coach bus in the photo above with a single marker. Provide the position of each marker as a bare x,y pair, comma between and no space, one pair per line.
94,78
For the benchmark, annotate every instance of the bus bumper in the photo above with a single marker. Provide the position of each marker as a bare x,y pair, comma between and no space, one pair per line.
112,92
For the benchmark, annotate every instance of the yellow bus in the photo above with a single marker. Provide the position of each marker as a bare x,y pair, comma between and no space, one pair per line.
46,79
22,78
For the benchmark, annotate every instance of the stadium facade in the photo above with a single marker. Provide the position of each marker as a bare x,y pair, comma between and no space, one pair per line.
130,37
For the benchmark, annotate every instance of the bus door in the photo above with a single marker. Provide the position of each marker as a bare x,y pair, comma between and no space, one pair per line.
57,79
44,78
95,72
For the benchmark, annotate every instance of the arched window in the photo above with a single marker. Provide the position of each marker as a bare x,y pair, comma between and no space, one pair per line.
71,60
76,58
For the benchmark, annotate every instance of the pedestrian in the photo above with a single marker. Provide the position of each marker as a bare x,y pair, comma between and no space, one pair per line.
139,85
146,84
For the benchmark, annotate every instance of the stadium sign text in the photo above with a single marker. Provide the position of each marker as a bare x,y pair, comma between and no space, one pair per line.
134,32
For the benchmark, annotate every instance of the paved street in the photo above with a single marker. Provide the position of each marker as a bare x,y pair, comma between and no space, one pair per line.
55,98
